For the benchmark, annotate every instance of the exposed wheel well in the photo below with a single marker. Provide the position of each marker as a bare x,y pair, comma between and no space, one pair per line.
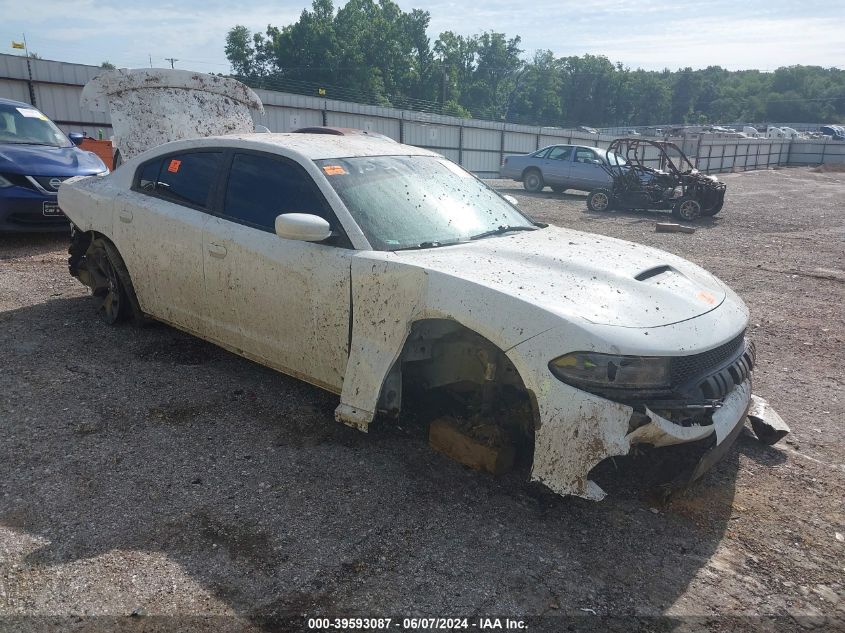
446,368
78,266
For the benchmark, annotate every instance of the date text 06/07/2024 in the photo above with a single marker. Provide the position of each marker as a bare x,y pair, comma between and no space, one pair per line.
413,624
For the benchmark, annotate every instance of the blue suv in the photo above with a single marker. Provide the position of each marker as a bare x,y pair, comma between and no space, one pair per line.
35,157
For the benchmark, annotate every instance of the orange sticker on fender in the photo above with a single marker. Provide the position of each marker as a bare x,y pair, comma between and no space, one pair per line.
174,165
334,170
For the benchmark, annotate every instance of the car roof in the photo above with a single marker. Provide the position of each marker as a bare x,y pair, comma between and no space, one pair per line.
310,146
15,103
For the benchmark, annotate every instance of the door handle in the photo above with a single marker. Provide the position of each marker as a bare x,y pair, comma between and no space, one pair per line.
125,215
217,250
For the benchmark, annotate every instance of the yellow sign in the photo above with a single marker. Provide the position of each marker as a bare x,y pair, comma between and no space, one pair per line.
322,92
17,44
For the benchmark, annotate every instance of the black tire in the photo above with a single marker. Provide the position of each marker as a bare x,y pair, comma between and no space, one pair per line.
532,180
111,284
712,210
600,200
117,160
687,209
558,188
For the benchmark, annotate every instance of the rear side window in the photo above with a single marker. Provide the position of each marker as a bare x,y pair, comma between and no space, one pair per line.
181,178
584,155
560,153
261,187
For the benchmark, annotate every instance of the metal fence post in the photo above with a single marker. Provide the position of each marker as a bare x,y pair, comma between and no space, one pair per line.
29,83
502,145
461,144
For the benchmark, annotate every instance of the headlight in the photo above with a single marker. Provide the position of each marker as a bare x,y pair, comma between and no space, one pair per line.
5,182
589,369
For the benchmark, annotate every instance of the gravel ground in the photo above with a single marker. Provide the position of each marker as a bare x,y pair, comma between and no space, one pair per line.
146,472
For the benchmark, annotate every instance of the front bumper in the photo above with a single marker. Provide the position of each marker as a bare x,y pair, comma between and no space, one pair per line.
659,431
706,409
23,210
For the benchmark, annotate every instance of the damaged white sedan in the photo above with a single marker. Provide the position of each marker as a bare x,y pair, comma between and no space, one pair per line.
381,271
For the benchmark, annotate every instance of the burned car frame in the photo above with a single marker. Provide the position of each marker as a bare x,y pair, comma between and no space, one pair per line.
656,175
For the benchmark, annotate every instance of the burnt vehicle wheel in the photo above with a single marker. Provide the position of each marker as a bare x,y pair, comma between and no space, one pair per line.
599,200
687,209
533,181
710,211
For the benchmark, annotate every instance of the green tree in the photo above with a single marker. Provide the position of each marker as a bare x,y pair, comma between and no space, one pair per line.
239,52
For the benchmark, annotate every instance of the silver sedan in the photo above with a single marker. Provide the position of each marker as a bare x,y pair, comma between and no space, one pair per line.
561,167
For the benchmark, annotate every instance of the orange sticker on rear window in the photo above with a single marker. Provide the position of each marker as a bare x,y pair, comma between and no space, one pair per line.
174,165
334,170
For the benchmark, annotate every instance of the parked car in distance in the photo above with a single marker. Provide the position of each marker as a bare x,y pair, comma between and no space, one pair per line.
560,167
383,272
35,157
835,132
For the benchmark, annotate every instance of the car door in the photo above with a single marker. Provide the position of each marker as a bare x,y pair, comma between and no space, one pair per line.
283,302
157,229
558,165
587,171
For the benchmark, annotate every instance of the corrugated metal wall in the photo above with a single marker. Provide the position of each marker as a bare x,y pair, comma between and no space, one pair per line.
477,145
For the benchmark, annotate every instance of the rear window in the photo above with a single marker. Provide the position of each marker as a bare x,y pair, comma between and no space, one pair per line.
184,178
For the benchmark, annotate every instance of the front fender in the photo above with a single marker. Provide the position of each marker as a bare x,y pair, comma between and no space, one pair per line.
389,295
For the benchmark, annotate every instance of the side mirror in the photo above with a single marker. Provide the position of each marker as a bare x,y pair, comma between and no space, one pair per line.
76,137
304,227
596,161
511,199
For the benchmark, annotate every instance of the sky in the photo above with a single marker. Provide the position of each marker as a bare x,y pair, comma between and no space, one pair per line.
736,34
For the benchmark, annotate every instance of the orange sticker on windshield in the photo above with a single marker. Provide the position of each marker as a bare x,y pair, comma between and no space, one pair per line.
334,170
174,165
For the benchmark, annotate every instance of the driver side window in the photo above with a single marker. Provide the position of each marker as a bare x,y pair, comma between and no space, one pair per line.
261,187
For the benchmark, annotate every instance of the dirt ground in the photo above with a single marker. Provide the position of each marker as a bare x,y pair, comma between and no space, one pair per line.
144,473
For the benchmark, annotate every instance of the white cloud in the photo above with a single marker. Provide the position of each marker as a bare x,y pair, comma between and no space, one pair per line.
649,33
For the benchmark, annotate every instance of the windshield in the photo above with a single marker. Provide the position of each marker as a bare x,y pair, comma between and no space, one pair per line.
418,201
26,125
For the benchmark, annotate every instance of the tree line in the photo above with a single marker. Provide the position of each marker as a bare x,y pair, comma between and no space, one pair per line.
371,51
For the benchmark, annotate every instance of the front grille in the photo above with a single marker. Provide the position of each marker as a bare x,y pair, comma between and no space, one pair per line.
47,185
684,368
19,181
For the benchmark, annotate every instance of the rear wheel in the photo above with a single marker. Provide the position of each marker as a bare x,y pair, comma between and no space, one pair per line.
599,200
110,283
687,209
532,180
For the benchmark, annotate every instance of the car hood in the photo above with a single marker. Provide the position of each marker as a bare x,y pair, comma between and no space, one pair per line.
598,279
40,160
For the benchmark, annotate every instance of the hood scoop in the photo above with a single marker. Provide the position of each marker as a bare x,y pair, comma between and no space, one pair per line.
652,272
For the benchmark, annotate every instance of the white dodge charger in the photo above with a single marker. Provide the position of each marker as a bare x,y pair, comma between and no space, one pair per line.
377,270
